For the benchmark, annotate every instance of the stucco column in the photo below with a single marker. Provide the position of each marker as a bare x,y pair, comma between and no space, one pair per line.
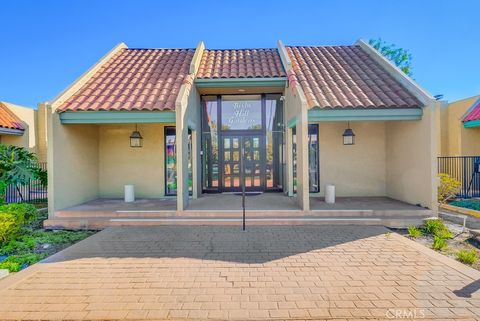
41,132
187,116
196,164
50,160
72,163
289,161
435,147
302,161
181,142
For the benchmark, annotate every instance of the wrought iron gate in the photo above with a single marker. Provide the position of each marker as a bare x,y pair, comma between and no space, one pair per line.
465,169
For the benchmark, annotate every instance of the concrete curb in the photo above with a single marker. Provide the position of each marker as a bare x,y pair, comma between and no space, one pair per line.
458,215
42,210
3,273
460,267
460,210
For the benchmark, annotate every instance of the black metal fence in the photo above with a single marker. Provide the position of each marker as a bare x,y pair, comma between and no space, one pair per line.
465,169
33,192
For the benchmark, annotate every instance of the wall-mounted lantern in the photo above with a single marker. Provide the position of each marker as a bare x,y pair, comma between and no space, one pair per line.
348,136
136,139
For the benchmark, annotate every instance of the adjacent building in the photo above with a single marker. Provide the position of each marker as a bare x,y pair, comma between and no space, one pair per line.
24,127
460,127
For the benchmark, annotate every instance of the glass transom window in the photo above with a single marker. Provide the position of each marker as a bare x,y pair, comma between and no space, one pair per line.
241,112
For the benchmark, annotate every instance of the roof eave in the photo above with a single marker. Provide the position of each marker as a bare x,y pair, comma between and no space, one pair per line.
11,131
475,104
240,82
364,114
471,124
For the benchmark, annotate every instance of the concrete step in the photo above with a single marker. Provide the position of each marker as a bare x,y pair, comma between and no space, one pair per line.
237,213
103,222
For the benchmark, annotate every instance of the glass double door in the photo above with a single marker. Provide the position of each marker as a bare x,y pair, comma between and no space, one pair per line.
252,148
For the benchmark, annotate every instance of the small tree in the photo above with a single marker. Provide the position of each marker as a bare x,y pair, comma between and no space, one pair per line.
447,188
18,167
399,56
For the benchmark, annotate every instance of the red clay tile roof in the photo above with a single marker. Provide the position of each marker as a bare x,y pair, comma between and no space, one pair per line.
135,79
8,119
241,63
474,113
345,77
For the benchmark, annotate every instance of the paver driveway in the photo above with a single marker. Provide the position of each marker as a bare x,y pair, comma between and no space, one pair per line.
218,272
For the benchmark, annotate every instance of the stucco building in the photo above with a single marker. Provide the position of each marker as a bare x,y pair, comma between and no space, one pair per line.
286,121
460,127
24,127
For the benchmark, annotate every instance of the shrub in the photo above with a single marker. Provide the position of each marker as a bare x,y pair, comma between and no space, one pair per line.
12,218
439,243
444,233
467,256
10,226
10,266
23,211
60,237
3,189
414,231
18,166
447,188
22,244
15,262
436,227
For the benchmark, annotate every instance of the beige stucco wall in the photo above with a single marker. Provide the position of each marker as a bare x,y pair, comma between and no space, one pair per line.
16,140
411,158
356,170
41,132
470,141
456,139
442,133
73,160
119,164
390,158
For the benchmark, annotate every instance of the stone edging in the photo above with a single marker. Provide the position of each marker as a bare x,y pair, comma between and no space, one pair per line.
460,210
3,273
42,210
460,267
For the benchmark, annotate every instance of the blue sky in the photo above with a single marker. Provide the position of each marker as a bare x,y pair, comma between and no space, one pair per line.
45,45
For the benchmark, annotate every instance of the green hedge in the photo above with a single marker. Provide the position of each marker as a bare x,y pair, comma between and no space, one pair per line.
25,210
9,227
12,218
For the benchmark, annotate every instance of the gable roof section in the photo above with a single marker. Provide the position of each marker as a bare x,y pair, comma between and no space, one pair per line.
134,80
473,112
241,63
8,119
345,77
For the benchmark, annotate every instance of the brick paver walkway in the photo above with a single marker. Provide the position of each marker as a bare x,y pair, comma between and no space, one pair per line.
218,272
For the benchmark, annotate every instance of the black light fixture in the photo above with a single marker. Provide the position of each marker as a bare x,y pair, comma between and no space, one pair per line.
136,139
348,136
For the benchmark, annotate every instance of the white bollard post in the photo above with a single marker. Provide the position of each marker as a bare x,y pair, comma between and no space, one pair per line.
330,194
129,193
